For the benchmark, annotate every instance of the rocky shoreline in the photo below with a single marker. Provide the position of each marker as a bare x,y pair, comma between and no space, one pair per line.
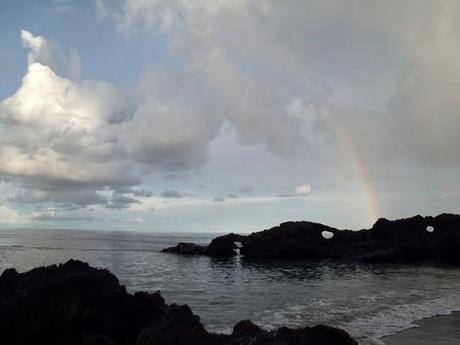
75,304
411,240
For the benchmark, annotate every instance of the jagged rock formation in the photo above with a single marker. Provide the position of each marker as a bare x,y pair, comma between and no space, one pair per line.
399,241
75,304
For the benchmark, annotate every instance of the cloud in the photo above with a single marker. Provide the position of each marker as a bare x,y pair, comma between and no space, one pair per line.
55,216
143,193
299,191
219,199
10,216
47,53
230,91
246,190
289,76
62,133
119,201
29,197
173,194
177,176
62,6
57,131
63,198
285,195
303,190
137,192
445,197
101,9
263,60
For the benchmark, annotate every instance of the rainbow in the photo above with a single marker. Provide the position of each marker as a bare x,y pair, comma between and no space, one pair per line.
362,172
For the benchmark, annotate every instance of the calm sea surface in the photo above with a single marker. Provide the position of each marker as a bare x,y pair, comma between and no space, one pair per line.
368,301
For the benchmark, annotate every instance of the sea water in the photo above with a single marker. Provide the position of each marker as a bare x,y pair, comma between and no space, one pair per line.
368,301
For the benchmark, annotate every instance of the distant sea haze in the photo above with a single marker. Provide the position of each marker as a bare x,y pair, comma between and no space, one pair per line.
368,301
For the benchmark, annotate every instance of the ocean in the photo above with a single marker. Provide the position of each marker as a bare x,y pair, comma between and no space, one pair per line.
369,301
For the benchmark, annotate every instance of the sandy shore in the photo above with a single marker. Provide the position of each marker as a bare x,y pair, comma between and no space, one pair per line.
438,330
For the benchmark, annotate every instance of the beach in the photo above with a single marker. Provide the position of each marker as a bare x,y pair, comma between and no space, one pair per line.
438,330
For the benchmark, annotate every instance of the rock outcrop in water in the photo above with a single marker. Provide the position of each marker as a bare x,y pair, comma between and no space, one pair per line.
75,304
410,240
187,249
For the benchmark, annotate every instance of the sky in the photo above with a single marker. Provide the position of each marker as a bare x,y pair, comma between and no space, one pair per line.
227,115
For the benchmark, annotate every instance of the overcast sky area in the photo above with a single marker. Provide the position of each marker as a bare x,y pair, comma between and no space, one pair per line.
227,115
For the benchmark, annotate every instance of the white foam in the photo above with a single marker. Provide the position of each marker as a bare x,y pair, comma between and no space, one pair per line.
371,329
367,324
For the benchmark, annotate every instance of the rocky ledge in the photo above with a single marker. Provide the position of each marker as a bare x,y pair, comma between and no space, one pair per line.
411,240
75,304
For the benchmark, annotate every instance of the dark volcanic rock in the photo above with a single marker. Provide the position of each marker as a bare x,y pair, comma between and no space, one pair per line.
191,332
300,240
75,304
398,241
184,248
71,304
220,246
224,245
406,240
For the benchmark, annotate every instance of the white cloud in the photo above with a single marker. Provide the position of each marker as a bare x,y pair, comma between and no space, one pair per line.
10,216
303,190
58,129
138,220
62,132
46,52
224,58
299,191
386,70
380,77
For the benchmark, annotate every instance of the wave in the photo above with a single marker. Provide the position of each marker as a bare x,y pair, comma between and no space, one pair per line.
369,323
371,329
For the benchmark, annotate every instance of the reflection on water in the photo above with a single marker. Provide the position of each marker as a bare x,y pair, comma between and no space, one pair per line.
369,301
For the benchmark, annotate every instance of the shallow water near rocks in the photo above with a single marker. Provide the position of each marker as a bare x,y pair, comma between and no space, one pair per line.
369,301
